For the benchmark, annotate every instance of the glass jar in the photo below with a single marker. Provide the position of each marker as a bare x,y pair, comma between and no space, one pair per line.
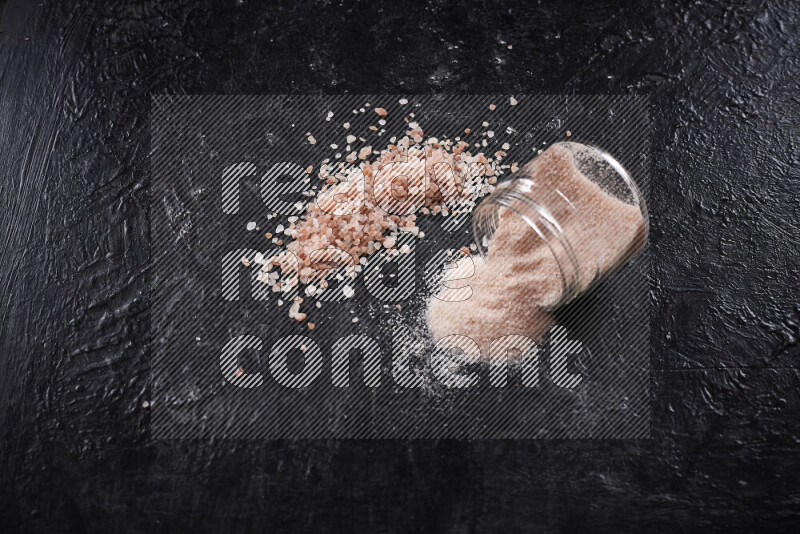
581,204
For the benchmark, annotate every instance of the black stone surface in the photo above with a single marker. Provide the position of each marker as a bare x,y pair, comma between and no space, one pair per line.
75,86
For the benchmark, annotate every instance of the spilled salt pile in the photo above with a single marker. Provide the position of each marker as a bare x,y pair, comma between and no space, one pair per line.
504,290
366,201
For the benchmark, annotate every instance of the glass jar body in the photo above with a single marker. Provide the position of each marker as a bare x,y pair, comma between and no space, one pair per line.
581,204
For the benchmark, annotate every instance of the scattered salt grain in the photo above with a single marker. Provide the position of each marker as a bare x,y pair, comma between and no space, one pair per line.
251,226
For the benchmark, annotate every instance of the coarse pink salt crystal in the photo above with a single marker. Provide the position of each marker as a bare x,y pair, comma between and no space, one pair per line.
365,152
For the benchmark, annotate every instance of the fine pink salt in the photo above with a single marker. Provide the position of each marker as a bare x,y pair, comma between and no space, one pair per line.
518,274
522,275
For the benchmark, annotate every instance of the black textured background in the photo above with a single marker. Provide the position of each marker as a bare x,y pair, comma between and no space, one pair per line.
75,80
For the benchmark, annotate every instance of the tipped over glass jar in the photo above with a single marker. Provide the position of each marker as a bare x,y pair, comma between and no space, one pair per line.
587,216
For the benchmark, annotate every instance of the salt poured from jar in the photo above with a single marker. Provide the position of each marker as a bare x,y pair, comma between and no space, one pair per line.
561,224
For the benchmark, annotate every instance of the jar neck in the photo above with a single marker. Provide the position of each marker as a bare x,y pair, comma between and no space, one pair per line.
515,195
